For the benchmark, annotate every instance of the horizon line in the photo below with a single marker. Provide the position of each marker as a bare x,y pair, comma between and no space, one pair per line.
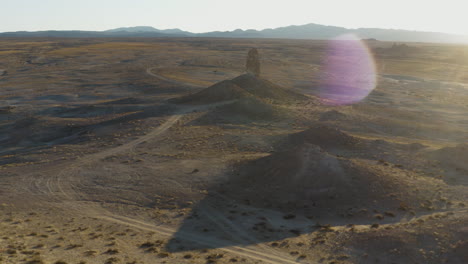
204,32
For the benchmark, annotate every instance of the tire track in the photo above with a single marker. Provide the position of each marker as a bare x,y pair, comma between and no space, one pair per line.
60,189
202,240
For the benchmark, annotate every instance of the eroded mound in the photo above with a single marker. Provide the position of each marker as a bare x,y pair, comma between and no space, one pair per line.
444,233
243,111
244,86
332,115
454,163
457,155
124,101
222,91
308,178
341,143
265,89
325,137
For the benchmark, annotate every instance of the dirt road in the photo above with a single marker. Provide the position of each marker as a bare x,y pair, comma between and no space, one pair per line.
61,189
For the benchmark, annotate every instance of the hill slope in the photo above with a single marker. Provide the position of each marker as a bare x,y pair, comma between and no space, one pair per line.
306,176
243,86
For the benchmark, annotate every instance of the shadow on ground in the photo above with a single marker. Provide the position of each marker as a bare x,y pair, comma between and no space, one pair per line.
218,222
316,183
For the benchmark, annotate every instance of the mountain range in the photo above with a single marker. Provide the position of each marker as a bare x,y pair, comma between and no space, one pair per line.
308,31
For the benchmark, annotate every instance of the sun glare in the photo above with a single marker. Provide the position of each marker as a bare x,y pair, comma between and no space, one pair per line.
349,73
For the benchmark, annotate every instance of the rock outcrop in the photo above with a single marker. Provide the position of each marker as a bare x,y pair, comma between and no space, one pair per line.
253,62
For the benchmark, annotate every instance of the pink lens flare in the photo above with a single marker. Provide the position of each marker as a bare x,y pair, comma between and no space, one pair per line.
349,71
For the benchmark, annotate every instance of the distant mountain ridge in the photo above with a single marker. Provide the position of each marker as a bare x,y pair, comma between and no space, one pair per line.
142,29
308,31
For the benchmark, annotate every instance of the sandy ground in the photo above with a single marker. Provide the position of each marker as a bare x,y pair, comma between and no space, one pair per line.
98,165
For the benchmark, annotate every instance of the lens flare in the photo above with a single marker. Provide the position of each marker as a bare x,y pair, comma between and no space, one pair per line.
349,71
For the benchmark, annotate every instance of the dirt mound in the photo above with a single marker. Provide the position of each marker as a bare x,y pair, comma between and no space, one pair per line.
340,143
326,137
243,111
332,115
90,110
244,86
457,155
442,233
309,177
453,161
265,89
128,100
222,91
332,139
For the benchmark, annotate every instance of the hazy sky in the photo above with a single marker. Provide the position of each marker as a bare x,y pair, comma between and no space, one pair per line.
209,15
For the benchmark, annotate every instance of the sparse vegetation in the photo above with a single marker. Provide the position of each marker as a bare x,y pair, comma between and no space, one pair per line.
108,150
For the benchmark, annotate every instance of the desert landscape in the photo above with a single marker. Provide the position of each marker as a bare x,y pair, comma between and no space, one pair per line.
168,150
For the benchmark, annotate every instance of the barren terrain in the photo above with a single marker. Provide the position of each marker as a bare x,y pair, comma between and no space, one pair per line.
164,151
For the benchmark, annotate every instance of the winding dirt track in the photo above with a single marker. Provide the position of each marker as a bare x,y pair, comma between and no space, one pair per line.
59,188
251,252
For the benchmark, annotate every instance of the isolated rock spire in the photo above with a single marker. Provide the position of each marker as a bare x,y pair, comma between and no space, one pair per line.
253,62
